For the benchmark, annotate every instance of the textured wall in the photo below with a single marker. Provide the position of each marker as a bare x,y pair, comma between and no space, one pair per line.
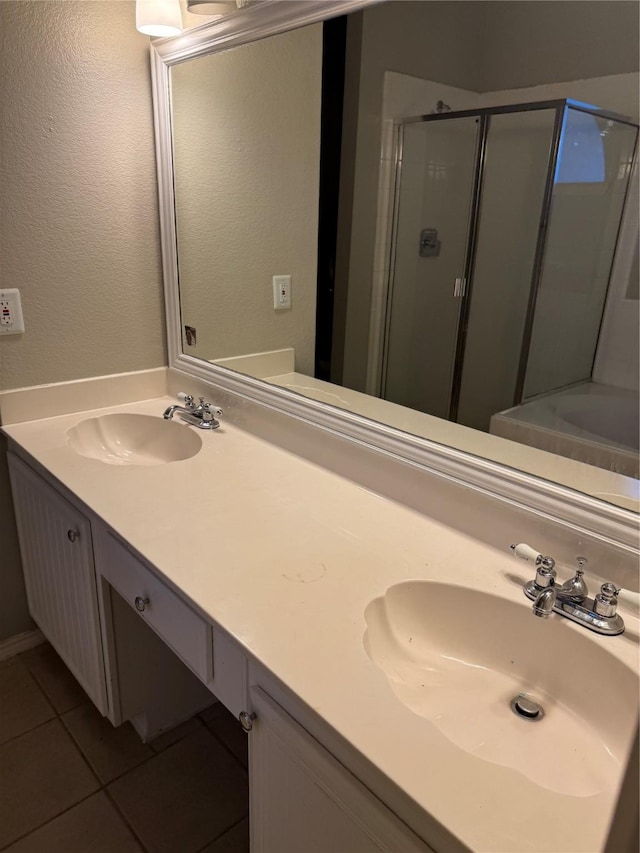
78,216
246,127
79,209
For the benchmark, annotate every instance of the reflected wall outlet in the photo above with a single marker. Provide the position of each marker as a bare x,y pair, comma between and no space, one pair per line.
281,291
11,322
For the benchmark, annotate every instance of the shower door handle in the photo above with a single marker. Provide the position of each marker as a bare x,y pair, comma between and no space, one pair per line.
459,288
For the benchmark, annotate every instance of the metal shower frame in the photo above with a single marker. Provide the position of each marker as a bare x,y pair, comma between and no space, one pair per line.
484,116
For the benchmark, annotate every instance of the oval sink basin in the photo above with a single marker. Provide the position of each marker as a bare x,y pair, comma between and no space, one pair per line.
130,439
458,657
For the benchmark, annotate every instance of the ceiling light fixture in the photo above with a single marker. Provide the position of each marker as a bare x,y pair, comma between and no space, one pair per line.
158,17
214,9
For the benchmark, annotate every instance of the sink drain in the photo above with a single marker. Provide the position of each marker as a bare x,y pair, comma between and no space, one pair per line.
527,708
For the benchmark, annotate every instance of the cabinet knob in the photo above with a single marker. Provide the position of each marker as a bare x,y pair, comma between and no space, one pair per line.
246,720
72,535
140,603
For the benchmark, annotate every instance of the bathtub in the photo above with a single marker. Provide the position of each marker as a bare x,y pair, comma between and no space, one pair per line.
593,423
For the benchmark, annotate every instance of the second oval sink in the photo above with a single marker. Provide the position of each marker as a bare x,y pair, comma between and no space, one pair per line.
459,657
131,439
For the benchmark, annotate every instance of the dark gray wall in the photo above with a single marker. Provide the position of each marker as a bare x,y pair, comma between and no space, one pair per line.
479,46
550,41
434,40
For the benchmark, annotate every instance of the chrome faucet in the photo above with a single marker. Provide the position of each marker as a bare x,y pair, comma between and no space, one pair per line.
571,598
201,415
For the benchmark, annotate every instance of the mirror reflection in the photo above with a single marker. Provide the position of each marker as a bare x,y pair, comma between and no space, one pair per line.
460,266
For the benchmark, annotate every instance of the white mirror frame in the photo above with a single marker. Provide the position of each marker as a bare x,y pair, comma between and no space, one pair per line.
557,502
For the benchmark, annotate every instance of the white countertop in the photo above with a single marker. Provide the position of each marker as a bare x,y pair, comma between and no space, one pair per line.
286,556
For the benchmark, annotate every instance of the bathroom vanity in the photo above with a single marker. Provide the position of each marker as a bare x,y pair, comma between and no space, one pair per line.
78,571
274,582
342,583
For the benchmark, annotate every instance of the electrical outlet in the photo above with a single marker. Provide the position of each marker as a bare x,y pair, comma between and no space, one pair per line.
11,321
281,292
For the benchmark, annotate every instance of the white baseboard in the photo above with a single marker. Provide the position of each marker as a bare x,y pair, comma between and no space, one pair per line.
20,643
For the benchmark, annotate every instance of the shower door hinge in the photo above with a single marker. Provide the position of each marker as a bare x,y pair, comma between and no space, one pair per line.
459,287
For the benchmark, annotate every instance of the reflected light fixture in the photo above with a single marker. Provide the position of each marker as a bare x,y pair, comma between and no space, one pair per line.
158,17
213,9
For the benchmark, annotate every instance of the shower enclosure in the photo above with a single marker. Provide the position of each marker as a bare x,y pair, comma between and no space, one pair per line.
504,232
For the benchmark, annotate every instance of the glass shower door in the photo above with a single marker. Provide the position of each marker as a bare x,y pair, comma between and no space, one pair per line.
516,165
433,209
591,180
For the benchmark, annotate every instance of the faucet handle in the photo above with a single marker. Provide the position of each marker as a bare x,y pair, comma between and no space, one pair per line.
530,555
212,409
606,601
186,398
545,566
545,576
209,412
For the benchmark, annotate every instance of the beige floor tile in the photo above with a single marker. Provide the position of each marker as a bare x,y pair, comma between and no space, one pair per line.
184,797
23,706
235,840
109,750
228,730
174,735
93,826
42,773
62,690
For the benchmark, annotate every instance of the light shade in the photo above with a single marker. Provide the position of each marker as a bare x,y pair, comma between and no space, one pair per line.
158,17
210,8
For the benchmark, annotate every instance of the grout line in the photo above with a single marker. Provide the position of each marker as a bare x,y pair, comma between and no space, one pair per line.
187,734
81,753
37,680
125,819
33,729
40,689
95,772
39,686
226,747
103,786
50,820
223,833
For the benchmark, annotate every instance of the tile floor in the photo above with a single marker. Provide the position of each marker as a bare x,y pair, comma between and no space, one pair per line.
71,783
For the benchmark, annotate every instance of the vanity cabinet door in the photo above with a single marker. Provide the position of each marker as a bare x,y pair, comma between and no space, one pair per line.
57,558
302,800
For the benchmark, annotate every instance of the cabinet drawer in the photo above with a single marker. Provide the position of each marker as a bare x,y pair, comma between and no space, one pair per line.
186,633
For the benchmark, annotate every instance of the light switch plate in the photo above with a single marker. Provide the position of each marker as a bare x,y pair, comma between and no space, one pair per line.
11,320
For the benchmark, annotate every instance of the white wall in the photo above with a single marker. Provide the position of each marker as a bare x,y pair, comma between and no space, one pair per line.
78,216
246,126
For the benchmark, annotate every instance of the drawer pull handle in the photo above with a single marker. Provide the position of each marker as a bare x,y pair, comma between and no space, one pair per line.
246,720
140,603
72,535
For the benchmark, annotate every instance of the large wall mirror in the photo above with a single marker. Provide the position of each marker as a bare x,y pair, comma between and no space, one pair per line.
423,213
